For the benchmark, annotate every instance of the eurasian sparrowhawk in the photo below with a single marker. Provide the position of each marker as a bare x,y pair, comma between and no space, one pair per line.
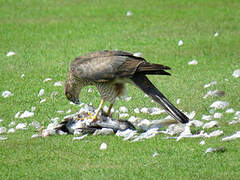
109,71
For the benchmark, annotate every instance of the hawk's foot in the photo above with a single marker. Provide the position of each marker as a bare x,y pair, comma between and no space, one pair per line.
94,118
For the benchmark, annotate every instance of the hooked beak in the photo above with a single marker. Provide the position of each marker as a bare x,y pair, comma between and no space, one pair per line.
75,101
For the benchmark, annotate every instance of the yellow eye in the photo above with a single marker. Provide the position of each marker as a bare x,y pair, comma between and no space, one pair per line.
69,96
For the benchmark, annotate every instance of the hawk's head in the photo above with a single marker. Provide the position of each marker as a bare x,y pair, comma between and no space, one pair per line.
71,92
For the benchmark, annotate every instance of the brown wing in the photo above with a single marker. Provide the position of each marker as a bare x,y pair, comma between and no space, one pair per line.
105,65
108,53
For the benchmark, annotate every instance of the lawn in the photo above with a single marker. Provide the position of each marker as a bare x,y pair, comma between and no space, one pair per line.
47,35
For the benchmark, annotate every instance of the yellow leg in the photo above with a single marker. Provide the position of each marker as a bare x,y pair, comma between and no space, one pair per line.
98,110
109,109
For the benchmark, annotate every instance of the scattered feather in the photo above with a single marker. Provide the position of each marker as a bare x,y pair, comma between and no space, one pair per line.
11,124
22,75
136,110
219,104
236,73
103,146
180,43
68,111
6,94
35,124
21,126
80,137
236,118
214,93
52,125
2,138
234,122
41,92
218,149
47,79
196,123
146,135
174,129
123,109
210,84
58,83
237,113
232,137
123,115
126,98
90,90
191,115
10,53
129,13
210,124
54,94
17,115
155,154
231,110
218,115
155,111
185,133
207,117
35,136
216,34
144,110
26,114
134,120
11,130
60,111
216,133
193,62
127,134
178,101
3,130
56,119
211,111
43,100
202,142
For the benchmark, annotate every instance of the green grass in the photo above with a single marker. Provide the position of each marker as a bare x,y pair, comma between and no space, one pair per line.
48,35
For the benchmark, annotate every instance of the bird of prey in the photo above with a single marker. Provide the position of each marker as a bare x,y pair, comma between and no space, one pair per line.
109,71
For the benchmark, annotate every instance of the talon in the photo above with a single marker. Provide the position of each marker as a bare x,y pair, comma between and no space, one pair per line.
90,115
94,118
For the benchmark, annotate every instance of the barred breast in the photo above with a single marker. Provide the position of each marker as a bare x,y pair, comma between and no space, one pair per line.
109,90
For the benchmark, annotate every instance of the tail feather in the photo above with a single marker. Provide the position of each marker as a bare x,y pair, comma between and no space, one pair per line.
147,87
148,68
158,72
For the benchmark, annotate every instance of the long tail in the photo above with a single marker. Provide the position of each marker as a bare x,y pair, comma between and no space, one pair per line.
147,87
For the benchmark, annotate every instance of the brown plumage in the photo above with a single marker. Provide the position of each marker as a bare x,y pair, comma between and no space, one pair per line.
109,71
